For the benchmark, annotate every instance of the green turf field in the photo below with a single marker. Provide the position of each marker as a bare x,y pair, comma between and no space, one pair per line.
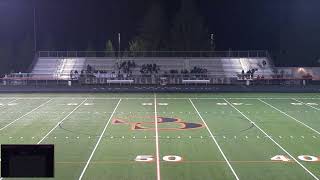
196,137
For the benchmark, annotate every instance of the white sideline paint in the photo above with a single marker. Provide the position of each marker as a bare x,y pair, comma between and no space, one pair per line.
306,104
266,135
62,121
26,114
93,98
157,136
98,142
290,117
215,141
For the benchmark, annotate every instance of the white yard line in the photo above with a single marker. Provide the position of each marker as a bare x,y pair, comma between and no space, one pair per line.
292,157
25,114
306,104
62,121
215,141
98,142
290,116
157,136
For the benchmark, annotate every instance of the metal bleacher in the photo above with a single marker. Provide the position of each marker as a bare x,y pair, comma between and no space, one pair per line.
58,68
219,64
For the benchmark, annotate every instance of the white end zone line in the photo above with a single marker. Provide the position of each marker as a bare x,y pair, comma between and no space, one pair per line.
290,116
314,176
306,104
26,114
98,142
62,121
215,141
157,136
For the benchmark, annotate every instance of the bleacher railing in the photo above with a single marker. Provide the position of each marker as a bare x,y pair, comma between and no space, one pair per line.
137,81
182,54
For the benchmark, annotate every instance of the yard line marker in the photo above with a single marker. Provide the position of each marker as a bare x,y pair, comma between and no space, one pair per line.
292,157
10,102
215,141
290,116
97,144
157,135
25,114
306,104
62,121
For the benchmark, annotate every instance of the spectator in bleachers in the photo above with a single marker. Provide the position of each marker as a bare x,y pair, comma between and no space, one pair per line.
149,69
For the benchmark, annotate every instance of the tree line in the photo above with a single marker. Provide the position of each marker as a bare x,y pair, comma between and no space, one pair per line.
158,30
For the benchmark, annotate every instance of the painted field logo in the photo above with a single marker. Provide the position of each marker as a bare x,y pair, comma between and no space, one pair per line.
161,121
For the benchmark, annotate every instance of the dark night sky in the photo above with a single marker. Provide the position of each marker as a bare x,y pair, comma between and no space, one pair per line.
288,26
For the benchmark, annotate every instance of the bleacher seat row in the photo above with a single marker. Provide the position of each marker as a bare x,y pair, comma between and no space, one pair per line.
221,67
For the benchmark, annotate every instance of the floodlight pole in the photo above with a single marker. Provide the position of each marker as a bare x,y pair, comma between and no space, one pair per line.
34,27
119,43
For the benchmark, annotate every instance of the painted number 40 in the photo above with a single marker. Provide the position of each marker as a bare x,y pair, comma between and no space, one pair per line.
150,158
306,158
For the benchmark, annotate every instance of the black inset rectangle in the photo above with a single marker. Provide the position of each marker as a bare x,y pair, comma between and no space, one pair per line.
27,161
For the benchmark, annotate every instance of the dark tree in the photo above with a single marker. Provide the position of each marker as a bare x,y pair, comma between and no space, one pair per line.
5,56
154,28
137,45
24,54
90,49
49,44
109,50
189,32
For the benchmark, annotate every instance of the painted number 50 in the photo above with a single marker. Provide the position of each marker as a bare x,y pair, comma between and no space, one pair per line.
150,158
